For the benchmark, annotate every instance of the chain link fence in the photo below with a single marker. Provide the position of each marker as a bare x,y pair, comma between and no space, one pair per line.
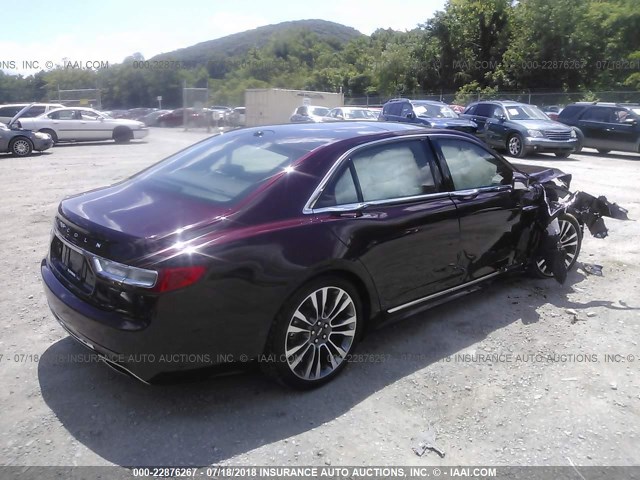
195,113
541,99
79,97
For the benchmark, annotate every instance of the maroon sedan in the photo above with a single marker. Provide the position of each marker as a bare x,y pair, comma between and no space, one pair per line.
176,118
285,244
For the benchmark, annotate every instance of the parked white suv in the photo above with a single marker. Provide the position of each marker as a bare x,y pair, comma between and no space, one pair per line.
7,112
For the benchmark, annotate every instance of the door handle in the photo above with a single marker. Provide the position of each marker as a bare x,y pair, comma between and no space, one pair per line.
466,194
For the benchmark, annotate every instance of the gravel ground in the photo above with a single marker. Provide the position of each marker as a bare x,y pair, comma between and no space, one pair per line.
516,374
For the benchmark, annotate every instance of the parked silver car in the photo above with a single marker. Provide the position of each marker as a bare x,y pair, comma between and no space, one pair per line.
85,124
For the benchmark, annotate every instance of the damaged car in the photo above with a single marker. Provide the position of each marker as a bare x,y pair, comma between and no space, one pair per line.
22,142
283,245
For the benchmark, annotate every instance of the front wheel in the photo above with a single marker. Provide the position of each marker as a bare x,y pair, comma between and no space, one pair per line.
515,146
313,335
603,151
563,154
570,241
21,147
122,135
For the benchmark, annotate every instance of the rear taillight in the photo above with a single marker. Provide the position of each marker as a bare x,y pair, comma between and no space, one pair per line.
180,277
124,274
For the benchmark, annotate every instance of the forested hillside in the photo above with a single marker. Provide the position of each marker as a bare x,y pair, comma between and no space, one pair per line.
470,46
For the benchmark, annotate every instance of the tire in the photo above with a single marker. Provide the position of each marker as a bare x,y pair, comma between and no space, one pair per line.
603,151
122,135
515,146
580,142
21,147
569,227
307,347
563,154
53,135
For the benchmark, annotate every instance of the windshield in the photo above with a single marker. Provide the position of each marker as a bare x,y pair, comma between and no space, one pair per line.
525,112
360,114
434,111
318,111
226,168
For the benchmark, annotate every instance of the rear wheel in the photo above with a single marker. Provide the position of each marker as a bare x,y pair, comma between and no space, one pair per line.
21,147
603,151
571,242
515,146
563,154
316,330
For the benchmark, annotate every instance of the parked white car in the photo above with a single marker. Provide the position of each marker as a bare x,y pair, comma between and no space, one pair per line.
7,112
85,124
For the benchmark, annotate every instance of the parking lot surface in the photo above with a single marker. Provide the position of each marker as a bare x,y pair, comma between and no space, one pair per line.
524,372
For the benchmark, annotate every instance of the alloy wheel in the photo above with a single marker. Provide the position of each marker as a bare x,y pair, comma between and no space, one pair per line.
570,242
21,147
321,333
515,146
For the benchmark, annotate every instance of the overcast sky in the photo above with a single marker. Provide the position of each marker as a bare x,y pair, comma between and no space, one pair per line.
86,30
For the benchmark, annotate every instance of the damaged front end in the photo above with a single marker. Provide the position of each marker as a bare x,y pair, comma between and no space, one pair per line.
548,192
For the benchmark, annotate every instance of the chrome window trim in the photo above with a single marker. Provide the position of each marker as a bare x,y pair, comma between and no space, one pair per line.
443,292
308,207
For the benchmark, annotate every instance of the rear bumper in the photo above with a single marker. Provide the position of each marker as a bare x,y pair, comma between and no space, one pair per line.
175,341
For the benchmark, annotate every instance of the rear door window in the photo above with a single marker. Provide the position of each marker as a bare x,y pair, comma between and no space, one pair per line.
484,110
471,166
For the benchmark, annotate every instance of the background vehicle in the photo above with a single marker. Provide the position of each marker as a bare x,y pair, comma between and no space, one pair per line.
175,118
137,113
425,113
238,117
151,119
85,124
350,113
220,114
387,215
309,113
604,126
21,142
7,112
520,128
552,111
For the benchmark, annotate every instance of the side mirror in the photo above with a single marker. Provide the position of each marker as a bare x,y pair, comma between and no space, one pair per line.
520,181
501,118
411,115
630,121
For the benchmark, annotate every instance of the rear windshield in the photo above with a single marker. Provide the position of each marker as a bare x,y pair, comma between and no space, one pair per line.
226,168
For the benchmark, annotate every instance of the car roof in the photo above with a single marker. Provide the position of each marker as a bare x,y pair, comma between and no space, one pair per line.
85,109
35,104
417,102
502,102
346,107
605,104
333,131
